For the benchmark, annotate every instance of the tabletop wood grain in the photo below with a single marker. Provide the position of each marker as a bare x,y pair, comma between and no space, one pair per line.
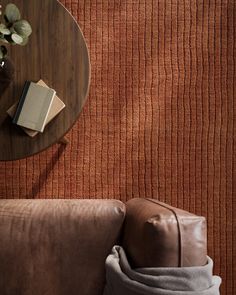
56,53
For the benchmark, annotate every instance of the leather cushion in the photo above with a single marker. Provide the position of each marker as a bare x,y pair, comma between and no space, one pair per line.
56,247
158,235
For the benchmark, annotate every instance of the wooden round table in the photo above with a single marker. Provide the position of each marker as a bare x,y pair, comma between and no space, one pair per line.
56,53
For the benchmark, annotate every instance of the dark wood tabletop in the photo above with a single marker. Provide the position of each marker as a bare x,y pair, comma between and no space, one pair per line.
56,53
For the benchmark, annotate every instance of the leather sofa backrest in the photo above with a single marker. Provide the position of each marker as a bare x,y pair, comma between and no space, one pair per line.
56,247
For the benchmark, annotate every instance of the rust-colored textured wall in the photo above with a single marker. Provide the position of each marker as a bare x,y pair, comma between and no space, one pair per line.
160,119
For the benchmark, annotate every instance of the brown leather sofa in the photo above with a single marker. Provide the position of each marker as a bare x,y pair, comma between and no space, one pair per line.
59,247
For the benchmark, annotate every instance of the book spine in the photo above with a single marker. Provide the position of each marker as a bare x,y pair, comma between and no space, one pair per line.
45,120
21,102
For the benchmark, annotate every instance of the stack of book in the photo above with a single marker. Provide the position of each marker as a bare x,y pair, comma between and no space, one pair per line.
37,106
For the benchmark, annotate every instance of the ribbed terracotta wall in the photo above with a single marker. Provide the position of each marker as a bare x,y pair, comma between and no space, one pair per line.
160,119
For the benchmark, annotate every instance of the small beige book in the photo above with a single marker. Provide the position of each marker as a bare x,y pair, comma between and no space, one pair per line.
56,107
33,107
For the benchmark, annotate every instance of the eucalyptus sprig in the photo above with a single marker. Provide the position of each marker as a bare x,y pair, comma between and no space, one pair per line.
13,30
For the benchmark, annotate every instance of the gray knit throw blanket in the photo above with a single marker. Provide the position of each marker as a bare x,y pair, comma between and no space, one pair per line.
121,279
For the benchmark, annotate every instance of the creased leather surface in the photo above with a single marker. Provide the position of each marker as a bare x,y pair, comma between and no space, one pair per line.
56,247
159,235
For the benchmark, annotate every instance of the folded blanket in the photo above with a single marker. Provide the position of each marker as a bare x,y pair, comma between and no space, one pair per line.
123,280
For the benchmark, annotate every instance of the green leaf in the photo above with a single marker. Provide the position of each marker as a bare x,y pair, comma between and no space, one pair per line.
22,28
25,41
12,13
12,30
17,39
4,30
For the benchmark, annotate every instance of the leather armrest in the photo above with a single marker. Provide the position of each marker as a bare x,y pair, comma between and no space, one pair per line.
158,235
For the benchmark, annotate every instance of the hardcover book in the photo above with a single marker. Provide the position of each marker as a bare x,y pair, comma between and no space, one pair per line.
56,107
34,106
